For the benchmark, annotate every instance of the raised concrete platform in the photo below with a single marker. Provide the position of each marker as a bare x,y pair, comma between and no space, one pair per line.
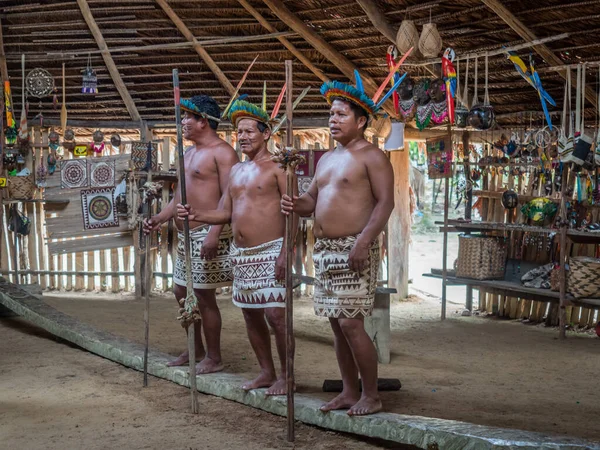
423,432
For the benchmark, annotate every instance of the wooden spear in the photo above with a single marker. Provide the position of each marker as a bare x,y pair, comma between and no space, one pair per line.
190,305
147,272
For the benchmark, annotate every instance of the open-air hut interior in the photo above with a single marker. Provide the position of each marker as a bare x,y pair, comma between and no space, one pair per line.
126,52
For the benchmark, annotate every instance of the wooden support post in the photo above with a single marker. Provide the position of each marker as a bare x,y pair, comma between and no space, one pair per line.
127,266
399,224
79,265
164,230
41,219
91,280
468,203
103,283
32,251
114,261
445,245
4,254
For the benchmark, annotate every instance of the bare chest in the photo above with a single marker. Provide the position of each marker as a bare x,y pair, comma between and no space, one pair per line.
200,166
253,182
340,172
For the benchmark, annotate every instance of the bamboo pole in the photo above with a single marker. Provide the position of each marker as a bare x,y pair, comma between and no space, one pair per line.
289,242
191,302
445,246
148,281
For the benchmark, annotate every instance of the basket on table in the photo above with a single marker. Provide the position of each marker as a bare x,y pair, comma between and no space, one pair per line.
481,257
583,277
21,187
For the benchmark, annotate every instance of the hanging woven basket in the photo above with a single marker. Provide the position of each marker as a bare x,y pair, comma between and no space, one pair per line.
407,37
430,42
381,127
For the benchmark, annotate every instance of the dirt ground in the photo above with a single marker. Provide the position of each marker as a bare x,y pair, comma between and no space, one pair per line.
484,371
55,396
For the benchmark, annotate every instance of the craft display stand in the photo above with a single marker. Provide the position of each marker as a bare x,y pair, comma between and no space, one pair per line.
508,297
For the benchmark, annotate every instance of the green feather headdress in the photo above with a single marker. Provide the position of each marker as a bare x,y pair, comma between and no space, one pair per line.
241,109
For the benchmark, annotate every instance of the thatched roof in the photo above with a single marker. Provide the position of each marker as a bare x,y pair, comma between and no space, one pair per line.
52,32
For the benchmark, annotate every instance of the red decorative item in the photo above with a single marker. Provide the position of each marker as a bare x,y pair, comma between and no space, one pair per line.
598,329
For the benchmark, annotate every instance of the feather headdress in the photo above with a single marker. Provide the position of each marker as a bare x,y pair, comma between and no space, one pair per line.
241,109
188,105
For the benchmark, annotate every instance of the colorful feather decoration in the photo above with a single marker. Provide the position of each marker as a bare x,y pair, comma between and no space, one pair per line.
237,89
241,109
358,80
390,75
390,92
264,98
296,103
278,103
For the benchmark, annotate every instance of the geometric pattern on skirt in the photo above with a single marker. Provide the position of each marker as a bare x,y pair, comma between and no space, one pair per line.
254,284
206,274
339,291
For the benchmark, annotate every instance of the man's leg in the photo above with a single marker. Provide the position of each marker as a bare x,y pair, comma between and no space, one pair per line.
276,319
211,318
350,393
365,355
260,339
183,359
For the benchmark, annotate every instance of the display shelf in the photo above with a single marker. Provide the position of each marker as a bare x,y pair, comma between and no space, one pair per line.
37,200
513,289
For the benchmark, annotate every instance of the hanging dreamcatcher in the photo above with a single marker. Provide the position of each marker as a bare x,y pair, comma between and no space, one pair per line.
39,83
90,79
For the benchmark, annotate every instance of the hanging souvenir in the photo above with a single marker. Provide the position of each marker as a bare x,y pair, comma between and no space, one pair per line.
23,133
407,101
40,175
510,199
10,118
115,140
51,163
461,112
69,134
39,83
10,134
390,58
423,102
98,142
439,108
407,36
597,147
449,74
583,143
566,137
63,110
430,42
90,80
481,117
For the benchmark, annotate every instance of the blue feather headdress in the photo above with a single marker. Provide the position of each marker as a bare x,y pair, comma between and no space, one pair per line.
187,105
356,95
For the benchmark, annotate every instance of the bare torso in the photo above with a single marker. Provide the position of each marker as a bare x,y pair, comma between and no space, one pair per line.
345,200
202,179
255,192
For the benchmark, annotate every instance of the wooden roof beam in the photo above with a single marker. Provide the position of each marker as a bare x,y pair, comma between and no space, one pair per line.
543,50
287,44
108,60
312,37
182,27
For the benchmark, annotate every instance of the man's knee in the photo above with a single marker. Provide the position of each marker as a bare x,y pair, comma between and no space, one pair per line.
252,314
276,318
206,298
179,291
351,327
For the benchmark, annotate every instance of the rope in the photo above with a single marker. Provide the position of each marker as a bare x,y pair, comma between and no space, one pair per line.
466,91
578,101
486,100
475,99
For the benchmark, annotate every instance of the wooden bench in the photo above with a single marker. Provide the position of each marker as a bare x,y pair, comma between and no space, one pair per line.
377,325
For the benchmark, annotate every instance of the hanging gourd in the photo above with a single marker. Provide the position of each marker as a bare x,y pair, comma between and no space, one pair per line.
90,79
407,36
430,42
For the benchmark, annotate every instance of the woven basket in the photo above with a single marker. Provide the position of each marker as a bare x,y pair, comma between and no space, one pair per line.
583,277
430,42
407,36
481,257
21,188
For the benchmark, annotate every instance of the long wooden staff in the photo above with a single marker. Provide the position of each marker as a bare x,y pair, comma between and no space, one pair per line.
148,273
190,303
289,242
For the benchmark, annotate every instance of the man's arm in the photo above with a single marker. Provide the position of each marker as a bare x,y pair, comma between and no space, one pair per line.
166,214
225,159
305,204
219,216
381,178
282,184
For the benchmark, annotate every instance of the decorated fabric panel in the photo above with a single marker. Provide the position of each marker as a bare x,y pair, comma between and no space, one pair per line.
439,157
73,174
304,184
99,209
139,155
101,173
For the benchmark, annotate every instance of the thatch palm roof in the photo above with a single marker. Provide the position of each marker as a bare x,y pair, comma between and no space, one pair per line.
52,32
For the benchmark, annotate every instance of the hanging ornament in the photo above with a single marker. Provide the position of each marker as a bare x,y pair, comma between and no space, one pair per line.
430,42
40,176
23,133
10,135
51,163
461,112
90,79
407,36
510,199
115,140
437,92
407,102
69,134
98,144
39,83
53,137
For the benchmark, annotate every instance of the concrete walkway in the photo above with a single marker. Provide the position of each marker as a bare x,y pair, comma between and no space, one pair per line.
423,432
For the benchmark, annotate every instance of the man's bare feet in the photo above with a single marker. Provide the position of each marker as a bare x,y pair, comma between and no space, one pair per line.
342,401
184,359
365,406
261,381
278,388
208,365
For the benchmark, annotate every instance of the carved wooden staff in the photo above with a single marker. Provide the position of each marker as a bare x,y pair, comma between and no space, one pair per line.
288,158
147,272
189,310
